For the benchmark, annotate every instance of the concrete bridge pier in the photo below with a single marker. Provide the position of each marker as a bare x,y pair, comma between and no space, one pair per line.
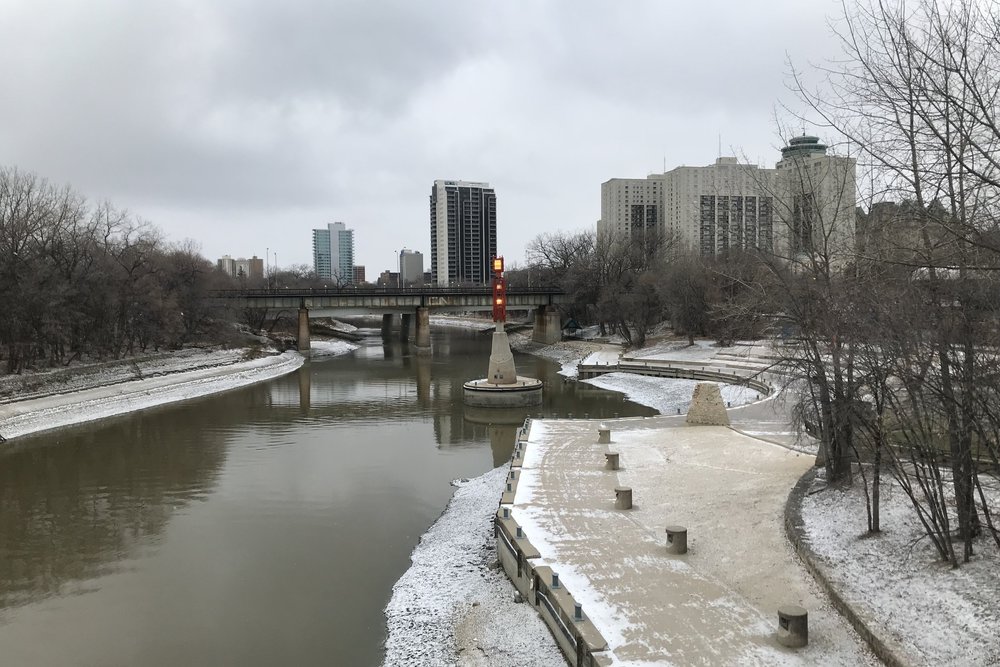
386,326
404,327
423,331
303,338
548,326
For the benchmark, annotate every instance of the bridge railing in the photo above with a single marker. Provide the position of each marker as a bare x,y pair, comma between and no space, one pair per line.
363,290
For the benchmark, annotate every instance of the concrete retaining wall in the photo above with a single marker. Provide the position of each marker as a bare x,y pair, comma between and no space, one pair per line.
585,372
887,651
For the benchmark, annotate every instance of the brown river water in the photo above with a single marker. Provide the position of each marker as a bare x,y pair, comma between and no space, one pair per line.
261,526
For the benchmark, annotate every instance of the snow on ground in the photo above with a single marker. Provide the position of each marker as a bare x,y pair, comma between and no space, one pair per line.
667,395
568,353
330,348
88,376
461,322
107,398
679,350
937,615
603,357
452,607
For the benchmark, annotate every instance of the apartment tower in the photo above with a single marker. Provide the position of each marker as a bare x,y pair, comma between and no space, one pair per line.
333,253
463,231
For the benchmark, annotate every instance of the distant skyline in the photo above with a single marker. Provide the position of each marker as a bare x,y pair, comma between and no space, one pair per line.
246,125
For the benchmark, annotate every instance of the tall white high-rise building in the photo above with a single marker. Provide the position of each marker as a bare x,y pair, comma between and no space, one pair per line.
807,197
333,253
463,231
818,197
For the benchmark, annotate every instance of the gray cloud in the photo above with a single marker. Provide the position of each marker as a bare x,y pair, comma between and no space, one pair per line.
246,123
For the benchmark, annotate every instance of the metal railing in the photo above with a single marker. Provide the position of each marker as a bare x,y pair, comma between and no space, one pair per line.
367,290
558,618
506,541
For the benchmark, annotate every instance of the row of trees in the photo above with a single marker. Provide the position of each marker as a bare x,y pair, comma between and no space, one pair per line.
891,339
912,327
90,280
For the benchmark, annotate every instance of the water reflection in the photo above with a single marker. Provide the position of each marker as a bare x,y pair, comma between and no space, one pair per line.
75,503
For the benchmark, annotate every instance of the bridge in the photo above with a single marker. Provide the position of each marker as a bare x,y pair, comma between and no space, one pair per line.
412,303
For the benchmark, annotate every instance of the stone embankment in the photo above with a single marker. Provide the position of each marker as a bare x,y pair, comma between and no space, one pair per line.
55,400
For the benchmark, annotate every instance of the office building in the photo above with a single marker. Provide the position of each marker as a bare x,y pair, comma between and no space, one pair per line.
359,275
252,268
706,209
787,210
388,279
333,253
411,267
463,231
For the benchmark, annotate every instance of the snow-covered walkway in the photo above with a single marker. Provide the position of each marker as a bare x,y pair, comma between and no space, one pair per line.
718,603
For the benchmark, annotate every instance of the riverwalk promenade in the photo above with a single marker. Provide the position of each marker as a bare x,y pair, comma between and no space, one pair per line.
601,575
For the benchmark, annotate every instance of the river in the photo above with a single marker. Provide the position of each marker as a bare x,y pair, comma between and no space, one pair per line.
262,526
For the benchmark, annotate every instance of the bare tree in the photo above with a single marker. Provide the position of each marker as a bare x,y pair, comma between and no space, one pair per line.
916,97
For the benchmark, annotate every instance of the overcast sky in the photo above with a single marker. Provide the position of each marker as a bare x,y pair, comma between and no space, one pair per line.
244,124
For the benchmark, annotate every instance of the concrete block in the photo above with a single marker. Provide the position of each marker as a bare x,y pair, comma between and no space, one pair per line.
623,498
612,462
677,540
793,626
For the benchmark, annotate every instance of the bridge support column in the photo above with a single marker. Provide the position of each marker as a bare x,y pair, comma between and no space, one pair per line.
423,331
386,326
548,327
404,327
303,342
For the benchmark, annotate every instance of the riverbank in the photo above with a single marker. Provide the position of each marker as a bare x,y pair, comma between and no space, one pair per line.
453,606
892,586
56,399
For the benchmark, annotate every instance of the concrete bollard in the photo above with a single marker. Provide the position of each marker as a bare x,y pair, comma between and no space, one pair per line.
793,626
623,498
577,612
612,461
677,540
603,435
555,580
520,533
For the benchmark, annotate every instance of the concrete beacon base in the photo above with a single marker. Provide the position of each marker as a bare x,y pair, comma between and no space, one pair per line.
526,392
